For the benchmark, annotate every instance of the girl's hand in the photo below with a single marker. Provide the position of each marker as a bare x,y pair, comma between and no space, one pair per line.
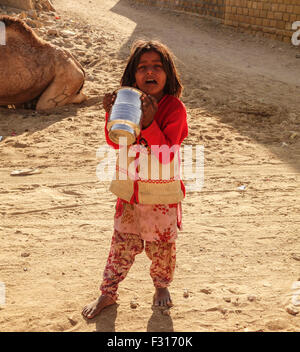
149,109
108,100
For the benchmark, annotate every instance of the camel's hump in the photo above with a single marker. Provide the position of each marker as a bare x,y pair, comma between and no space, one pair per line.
20,27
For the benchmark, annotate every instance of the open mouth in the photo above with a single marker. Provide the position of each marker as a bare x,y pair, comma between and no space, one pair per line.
151,81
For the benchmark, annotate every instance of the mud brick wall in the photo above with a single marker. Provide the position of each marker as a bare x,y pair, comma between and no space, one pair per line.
214,8
271,18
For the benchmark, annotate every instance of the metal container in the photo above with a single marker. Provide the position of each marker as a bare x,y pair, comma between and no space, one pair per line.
125,116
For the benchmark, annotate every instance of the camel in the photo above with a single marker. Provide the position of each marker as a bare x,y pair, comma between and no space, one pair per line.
35,73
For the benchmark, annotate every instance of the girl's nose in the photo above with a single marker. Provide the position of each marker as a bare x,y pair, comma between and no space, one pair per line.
149,69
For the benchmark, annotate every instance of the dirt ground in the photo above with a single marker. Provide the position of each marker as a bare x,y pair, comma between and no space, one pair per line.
238,255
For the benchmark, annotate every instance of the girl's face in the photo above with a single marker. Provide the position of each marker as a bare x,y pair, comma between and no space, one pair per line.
150,76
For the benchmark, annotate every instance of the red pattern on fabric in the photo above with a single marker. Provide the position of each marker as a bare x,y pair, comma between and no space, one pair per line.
124,248
147,220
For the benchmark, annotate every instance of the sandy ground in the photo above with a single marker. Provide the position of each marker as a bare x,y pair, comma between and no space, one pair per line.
238,255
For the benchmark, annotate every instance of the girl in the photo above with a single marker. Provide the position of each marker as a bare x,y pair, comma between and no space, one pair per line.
148,211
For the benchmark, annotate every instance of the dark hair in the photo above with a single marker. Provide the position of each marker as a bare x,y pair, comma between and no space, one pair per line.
173,85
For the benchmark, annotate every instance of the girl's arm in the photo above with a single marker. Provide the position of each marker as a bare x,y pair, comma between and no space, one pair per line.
173,131
170,132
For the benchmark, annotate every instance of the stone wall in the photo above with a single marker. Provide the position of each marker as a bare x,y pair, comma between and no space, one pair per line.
271,18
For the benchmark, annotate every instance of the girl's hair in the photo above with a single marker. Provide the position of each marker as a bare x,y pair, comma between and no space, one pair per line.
173,85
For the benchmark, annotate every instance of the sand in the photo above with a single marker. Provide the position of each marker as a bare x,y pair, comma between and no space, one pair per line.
238,255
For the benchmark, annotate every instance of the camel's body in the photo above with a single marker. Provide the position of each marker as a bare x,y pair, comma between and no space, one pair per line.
34,70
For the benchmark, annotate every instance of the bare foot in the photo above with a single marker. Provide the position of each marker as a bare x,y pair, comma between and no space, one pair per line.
94,308
162,298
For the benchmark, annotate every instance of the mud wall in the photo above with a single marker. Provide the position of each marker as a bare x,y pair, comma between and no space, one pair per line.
271,18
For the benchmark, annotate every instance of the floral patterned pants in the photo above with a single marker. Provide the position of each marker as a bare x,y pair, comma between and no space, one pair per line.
124,248
138,227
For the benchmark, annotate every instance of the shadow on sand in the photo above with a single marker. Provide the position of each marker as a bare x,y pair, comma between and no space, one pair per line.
105,320
32,121
159,322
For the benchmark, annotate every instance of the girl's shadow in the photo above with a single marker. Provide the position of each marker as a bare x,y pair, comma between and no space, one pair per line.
159,322
105,321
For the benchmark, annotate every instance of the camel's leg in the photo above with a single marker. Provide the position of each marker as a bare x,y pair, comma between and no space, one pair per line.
64,89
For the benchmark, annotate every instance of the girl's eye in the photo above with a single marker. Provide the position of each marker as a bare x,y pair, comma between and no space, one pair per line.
157,67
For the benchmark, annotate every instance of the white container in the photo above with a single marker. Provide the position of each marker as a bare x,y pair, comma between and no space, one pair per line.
125,116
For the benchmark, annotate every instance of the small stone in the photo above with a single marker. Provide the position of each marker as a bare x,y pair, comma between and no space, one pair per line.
25,269
296,256
267,284
90,78
251,298
292,310
294,135
186,293
66,33
134,304
235,291
227,299
213,309
207,291
52,31
25,254
236,302
20,145
72,321
224,310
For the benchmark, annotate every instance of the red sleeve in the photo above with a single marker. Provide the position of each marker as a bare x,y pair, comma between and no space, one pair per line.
173,131
170,129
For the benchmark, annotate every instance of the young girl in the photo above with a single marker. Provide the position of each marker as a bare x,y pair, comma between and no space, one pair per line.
148,211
